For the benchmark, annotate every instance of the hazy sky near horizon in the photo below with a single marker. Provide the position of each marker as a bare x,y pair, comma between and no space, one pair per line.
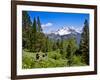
52,21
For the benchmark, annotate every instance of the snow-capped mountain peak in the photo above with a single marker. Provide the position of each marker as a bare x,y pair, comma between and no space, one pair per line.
66,30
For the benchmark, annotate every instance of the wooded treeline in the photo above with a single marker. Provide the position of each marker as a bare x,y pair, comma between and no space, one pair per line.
34,40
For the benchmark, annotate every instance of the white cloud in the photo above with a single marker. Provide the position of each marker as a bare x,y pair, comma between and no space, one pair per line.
46,25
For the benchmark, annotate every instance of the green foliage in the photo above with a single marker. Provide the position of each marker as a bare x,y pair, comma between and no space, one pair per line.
84,44
33,38
50,45
54,60
58,44
26,24
76,61
70,50
54,46
55,55
39,28
28,60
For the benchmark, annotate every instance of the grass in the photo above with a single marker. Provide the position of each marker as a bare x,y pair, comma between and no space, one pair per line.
53,59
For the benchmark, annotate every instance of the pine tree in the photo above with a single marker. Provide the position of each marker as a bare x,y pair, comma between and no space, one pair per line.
58,44
41,42
34,26
26,24
30,43
69,54
84,43
61,44
61,47
39,28
39,38
47,44
70,50
50,44
33,36
54,46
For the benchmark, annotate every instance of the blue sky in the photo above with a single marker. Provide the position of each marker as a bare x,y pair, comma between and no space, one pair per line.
51,21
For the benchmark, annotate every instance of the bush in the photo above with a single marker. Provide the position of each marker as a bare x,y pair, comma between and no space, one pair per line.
28,60
77,61
54,59
54,55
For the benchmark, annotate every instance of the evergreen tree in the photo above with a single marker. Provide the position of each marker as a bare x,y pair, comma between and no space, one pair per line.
70,50
84,43
50,44
39,38
58,44
30,42
47,44
69,54
61,47
26,24
39,28
34,26
61,44
41,42
33,36
54,46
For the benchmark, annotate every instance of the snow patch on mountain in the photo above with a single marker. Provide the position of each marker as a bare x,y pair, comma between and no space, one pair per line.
63,31
67,30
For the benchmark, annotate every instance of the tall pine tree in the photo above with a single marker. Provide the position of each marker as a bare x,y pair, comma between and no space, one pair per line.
26,21
70,50
69,54
39,28
33,36
84,43
58,44
26,25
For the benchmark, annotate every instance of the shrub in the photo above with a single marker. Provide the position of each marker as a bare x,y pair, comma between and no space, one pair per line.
55,55
77,61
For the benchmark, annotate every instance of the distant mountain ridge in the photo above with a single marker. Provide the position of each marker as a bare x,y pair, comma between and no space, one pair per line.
67,30
65,33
